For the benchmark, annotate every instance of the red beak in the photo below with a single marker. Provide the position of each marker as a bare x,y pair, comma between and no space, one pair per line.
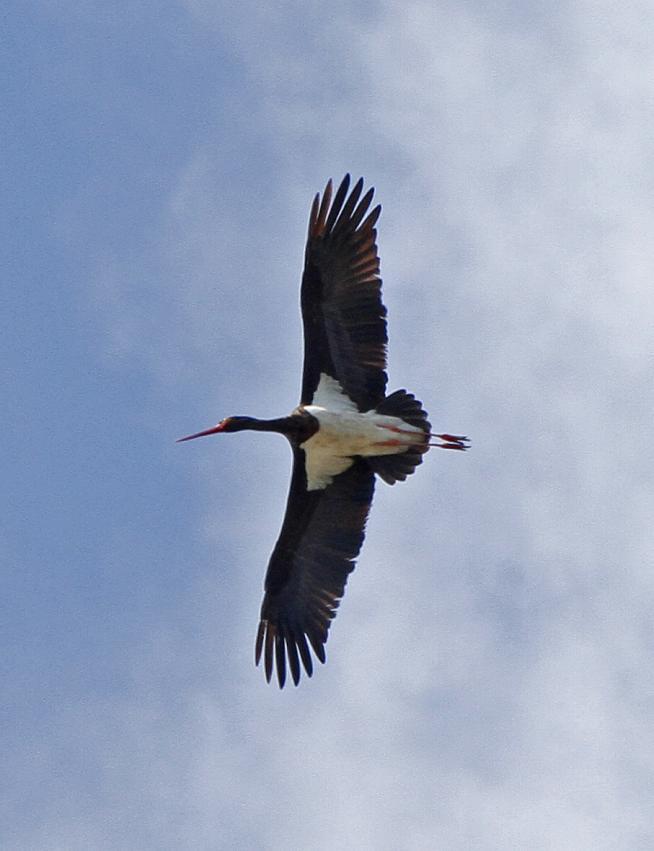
220,427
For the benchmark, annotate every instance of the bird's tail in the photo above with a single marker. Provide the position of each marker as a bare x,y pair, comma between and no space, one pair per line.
395,468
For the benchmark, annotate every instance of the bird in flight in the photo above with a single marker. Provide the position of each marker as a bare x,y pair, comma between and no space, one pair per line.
344,432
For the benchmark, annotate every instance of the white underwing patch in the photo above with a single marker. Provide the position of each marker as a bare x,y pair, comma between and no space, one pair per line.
329,395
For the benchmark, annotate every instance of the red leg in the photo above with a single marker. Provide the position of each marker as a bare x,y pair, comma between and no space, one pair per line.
451,441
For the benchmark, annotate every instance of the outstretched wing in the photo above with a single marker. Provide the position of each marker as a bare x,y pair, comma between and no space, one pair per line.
321,536
342,311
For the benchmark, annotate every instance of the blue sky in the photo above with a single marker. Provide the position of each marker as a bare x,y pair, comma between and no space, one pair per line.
489,678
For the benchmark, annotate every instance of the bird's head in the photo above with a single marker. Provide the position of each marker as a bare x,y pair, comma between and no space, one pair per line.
228,424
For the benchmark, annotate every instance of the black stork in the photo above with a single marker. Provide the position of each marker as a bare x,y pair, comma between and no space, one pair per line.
344,431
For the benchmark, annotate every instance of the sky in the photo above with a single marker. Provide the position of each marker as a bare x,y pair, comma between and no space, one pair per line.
489,674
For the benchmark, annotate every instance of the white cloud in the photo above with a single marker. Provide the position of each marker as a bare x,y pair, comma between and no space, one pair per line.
488,682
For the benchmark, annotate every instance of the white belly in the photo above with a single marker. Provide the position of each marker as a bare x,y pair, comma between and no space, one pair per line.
345,434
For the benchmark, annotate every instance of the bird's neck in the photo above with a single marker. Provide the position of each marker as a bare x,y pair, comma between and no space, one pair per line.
281,425
298,427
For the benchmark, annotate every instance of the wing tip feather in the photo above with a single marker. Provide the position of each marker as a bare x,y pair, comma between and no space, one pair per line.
337,204
278,645
321,216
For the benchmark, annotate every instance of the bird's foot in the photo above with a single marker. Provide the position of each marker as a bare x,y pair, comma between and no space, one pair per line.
451,441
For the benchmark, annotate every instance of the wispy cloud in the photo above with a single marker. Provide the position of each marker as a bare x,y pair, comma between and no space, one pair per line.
488,682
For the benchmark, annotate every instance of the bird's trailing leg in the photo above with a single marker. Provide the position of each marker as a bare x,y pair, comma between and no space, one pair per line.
450,441
405,437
